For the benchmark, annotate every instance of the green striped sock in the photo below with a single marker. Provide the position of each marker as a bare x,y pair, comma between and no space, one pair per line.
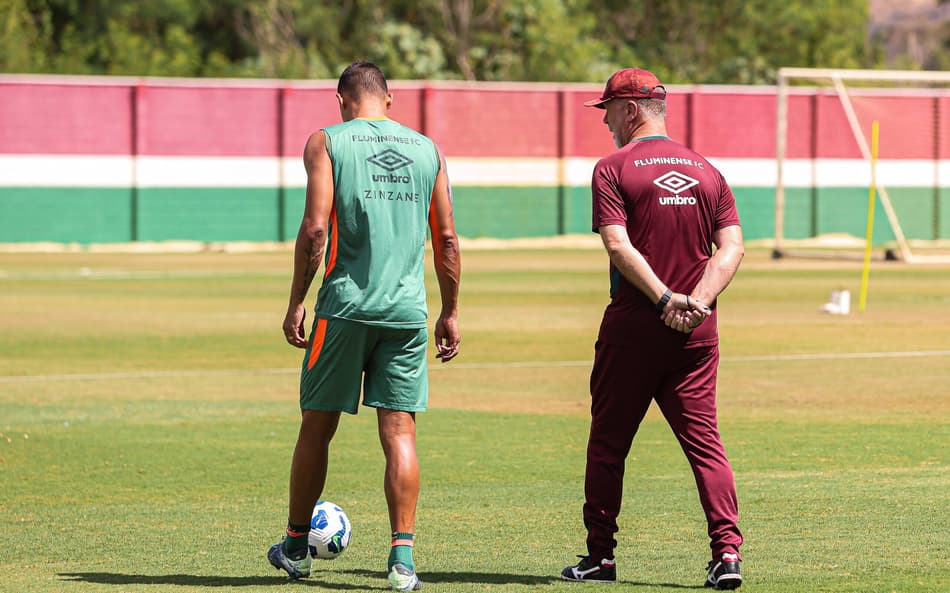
401,550
295,542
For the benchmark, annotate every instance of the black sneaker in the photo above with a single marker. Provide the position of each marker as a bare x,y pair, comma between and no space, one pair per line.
297,568
724,574
591,571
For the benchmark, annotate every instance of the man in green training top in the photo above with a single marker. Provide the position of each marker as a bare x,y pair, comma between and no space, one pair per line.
373,188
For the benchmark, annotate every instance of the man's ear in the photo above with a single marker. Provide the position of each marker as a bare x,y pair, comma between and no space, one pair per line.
633,109
389,100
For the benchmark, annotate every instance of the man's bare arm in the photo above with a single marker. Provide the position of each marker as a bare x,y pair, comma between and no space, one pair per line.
312,236
722,266
448,265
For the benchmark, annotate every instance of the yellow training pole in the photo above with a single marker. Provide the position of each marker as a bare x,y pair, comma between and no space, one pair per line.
866,271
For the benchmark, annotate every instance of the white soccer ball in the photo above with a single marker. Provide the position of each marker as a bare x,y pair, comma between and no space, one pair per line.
330,530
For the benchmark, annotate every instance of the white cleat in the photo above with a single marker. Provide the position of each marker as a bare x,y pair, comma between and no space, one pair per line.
403,579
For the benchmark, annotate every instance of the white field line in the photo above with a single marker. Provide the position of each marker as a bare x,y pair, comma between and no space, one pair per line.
89,274
144,375
457,365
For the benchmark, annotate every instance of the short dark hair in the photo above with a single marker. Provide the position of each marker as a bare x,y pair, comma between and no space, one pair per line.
362,77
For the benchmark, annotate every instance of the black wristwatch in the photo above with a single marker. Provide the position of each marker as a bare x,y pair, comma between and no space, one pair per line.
661,304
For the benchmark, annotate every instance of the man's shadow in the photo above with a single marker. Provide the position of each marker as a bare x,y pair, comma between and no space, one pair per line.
109,578
485,578
191,580
488,578
495,578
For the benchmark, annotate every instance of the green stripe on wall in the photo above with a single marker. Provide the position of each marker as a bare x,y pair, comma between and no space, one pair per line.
293,211
505,212
845,210
756,206
578,215
208,214
498,212
104,215
65,215
798,223
943,214
916,210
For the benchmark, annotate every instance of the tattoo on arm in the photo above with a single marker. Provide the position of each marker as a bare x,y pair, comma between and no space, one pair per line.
314,253
310,256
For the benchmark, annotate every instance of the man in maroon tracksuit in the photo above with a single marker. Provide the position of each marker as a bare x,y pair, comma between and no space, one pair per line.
659,208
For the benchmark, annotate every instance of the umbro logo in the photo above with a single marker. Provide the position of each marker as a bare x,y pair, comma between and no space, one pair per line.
675,182
389,160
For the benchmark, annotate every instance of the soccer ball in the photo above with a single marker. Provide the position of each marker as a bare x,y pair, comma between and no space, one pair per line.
330,531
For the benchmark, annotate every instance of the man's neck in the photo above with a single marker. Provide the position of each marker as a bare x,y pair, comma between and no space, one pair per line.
372,109
646,129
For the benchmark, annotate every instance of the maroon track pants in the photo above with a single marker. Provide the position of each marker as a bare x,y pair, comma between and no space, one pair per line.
683,382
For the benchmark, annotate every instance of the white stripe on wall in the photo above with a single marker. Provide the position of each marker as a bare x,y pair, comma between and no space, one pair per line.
294,173
265,172
65,171
827,172
578,171
856,173
165,171
117,171
503,171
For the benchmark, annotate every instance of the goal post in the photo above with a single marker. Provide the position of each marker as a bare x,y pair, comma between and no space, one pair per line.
823,161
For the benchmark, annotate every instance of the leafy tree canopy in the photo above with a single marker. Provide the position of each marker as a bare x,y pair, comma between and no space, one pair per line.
684,41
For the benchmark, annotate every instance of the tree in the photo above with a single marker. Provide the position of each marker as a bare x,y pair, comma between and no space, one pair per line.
24,38
683,41
734,41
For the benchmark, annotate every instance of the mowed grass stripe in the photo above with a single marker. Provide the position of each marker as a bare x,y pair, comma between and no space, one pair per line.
460,365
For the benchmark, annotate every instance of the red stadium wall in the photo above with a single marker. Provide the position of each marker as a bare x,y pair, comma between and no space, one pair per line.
62,118
93,116
224,118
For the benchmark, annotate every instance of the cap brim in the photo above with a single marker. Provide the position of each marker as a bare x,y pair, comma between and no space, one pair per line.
598,103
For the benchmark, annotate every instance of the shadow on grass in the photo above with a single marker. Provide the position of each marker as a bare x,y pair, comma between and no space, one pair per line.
495,578
488,578
192,580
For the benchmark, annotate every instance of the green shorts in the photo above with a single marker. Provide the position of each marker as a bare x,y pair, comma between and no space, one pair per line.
389,362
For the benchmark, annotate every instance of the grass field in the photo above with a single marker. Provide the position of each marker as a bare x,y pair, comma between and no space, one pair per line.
148,413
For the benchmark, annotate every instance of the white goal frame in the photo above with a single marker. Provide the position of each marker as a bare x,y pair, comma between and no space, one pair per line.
837,78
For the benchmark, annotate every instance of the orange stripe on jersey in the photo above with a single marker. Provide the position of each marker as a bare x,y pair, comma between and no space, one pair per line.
434,224
319,333
334,240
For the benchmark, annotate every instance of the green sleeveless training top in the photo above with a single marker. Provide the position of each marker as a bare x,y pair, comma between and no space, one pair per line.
383,175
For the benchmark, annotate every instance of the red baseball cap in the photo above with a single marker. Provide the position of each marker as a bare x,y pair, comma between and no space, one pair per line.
630,83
